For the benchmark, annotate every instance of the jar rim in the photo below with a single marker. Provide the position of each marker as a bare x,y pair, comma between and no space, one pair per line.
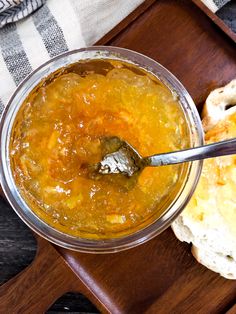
104,245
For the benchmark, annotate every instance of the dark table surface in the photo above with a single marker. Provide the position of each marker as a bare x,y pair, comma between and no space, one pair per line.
18,246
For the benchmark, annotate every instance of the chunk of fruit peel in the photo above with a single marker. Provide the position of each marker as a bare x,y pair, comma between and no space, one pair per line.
73,201
115,219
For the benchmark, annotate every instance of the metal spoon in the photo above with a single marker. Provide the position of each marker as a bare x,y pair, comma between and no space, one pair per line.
124,159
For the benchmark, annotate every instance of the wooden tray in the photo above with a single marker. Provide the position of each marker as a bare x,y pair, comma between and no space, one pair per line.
160,276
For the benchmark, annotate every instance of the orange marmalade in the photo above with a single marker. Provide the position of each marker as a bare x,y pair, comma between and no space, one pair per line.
57,134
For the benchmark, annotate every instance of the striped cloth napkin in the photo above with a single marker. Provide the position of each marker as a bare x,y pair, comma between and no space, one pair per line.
214,5
33,31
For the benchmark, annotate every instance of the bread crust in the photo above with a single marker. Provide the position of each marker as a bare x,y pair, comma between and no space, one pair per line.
225,265
218,105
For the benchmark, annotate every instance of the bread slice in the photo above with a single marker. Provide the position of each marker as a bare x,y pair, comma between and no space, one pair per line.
209,220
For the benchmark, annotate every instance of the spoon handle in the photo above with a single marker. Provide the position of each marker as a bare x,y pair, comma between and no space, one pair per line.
223,148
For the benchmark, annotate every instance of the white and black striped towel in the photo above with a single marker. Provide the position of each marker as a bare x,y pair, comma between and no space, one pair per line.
215,5
54,27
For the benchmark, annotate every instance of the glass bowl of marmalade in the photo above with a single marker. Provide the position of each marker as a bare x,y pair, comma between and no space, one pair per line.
52,130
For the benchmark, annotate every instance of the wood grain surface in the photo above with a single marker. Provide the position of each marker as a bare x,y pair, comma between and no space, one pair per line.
46,279
179,36
160,276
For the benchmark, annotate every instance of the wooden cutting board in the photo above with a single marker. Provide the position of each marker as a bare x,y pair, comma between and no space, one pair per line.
160,276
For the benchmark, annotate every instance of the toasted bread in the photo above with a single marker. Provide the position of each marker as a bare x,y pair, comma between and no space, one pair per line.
209,220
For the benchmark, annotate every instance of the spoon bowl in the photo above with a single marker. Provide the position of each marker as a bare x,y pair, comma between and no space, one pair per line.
124,159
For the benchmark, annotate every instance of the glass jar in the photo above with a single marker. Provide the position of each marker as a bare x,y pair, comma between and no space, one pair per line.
170,213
